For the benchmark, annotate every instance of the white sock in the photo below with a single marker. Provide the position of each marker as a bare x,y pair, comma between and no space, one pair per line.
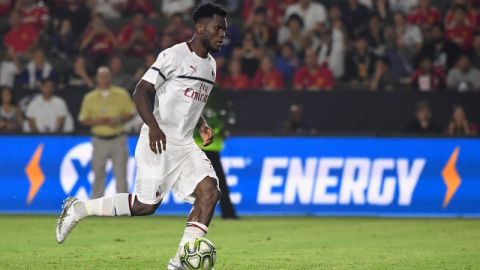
116,205
192,231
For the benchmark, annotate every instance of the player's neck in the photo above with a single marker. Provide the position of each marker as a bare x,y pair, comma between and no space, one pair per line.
196,46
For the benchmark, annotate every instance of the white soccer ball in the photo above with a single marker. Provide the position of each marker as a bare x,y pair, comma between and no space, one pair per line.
198,254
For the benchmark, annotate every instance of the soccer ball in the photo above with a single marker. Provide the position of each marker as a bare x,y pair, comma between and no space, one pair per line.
199,254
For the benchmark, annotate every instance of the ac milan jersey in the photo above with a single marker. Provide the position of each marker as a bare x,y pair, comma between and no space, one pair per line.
183,81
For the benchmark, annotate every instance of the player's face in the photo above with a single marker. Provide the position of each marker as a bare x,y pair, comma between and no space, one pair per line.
214,33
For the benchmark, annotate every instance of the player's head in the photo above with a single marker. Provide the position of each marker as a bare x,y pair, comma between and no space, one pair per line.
210,25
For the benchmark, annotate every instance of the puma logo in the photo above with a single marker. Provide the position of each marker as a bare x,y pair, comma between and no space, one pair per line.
194,68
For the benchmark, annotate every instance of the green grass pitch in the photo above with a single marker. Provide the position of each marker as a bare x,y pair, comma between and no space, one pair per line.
27,242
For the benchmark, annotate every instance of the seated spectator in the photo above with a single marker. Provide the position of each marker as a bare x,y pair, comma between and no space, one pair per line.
267,77
178,29
463,77
98,41
359,64
20,37
287,61
475,53
33,13
110,9
443,52
427,78
355,17
311,76
460,29
80,75
383,78
6,7
295,124
310,12
137,37
398,59
47,113
459,124
409,37
9,67
63,39
167,40
292,32
170,7
424,15
143,6
330,44
423,120
148,61
235,80
403,6
275,10
119,76
375,36
11,118
263,31
468,19
77,13
248,54
36,70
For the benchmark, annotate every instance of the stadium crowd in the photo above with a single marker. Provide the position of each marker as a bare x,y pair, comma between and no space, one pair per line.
56,46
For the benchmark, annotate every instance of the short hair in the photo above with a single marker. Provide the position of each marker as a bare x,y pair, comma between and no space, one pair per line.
207,11
295,17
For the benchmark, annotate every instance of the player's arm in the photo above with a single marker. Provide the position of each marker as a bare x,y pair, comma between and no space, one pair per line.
143,90
206,132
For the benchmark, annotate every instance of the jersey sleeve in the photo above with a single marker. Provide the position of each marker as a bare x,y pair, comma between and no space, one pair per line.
161,70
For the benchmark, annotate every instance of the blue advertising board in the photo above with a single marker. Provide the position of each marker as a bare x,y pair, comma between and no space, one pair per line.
271,175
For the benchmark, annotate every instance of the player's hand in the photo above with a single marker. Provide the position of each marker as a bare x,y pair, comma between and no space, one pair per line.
206,132
158,140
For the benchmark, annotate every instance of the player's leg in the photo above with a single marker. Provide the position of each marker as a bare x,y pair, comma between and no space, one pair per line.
119,160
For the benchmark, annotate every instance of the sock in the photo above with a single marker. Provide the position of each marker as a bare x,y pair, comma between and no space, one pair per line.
116,205
192,230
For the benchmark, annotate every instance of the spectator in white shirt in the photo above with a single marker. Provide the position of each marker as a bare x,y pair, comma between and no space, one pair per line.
47,113
311,13
170,7
9,68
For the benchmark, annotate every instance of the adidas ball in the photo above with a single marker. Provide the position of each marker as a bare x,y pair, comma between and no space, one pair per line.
198,254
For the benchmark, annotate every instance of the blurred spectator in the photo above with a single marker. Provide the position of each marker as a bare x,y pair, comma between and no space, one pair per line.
33,13
461,13
475,53
287,61
38,69
330,44
275,10
423,120
404,6
427,78
110,9
311,76
383,78
20,37
148,61
459,124
167,40
295,123
459,27
355,17
77,13
137,37
235,80
359,64
248,54
267,77
143,6
463,77
310,12
380,7
375,35
80,75
443,52
170,7
263,31
399,62
292,32
47,113
5,7
424,15
63,39
178,29
118,75
9,67
11,118
98,41
409,37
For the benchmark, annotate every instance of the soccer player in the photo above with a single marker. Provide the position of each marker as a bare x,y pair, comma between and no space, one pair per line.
166,154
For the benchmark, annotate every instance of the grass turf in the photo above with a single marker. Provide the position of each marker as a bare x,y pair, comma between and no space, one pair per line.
27,242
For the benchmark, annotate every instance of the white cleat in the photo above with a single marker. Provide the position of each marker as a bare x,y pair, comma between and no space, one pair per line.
174,265
66,222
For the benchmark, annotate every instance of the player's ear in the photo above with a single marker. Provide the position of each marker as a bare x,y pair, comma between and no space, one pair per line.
199,28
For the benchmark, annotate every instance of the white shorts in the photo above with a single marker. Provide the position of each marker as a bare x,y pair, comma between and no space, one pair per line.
180,168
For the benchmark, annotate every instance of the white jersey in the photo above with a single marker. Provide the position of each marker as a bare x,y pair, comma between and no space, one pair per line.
183,81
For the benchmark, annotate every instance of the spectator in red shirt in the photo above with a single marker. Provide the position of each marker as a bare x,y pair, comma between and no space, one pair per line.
427,78
33,13
267,77
312,76
470,19
236,80
5,7
460,29
137,37
98,41
177,28
459,124
144,6
20,37
424,15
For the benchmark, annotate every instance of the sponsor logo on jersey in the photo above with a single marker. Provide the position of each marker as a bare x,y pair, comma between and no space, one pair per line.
199,95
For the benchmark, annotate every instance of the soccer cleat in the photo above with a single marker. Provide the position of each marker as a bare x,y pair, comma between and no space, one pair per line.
174,265
66,222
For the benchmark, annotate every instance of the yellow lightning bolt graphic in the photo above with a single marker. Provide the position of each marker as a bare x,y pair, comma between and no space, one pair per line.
35,174
451,178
